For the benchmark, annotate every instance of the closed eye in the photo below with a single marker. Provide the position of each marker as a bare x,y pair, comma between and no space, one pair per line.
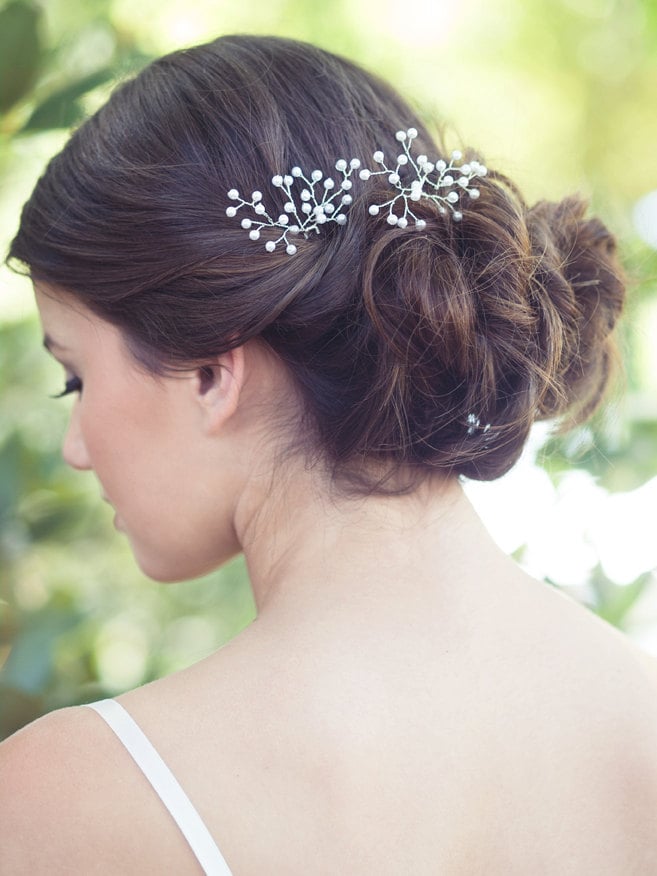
73,384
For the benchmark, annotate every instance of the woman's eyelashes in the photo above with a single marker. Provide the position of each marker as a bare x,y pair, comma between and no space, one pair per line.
73,384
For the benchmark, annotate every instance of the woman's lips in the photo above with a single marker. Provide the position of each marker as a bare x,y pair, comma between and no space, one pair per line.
117,519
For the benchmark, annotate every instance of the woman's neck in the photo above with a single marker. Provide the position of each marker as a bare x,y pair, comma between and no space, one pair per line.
309,550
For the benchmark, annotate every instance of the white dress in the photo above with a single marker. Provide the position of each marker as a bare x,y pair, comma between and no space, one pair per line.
165,785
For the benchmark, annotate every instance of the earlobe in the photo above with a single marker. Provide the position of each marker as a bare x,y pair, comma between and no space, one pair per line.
217,388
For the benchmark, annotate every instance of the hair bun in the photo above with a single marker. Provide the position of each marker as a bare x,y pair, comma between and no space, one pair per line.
482,327
579,283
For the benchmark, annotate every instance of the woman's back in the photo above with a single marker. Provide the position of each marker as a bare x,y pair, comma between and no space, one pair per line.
493,749
495,728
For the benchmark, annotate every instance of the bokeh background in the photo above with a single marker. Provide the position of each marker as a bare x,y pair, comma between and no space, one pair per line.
560,94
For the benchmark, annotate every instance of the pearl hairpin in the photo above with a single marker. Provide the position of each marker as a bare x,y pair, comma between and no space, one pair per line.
474,425
321,200
450,177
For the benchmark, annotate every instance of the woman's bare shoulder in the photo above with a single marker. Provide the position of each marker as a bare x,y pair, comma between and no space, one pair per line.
47,791
72,801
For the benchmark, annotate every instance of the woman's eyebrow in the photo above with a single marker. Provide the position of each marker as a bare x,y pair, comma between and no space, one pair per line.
49,343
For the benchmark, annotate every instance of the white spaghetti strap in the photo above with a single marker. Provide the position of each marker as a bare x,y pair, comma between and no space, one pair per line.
165,785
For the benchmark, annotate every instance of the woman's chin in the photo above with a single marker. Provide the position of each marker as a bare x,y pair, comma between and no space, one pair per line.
168,569
168,561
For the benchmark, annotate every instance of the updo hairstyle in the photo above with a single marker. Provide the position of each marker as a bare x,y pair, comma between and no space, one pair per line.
421,350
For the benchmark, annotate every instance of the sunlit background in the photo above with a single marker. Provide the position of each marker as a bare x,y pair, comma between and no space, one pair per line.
559,94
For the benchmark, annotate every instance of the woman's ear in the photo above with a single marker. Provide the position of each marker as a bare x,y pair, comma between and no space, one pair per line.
217,387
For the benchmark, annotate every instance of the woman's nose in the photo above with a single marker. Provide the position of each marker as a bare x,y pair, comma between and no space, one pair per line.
74,449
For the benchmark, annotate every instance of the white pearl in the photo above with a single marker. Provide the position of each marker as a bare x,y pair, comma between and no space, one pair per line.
289,207
259,209
422,159
231,211
378,157
256,196
254,235
374,210
365,174
391,219
321,219
305,195
354,164
294,229
316,175
474,193
428,167
287,179
466,169
246,223
416,194
329,208
412,133
306,208
462,181
452,197
440,165
328,183
270,246
402,159
442,210
341,219
448,180
346,200
457,216
457,155
420,223
296,171
277,181
346,184
393,179
341,164
401,136
402,222
283,219
233,194
290,249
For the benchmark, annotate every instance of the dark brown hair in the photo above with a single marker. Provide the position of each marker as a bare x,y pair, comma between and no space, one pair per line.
424,349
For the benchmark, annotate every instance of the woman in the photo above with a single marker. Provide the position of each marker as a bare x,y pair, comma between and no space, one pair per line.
292,323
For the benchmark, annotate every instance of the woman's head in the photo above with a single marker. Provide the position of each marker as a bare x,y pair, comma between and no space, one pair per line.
412,349
173,454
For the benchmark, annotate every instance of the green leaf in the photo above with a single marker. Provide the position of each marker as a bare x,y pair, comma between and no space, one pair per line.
19,51
614,601
30,664
10,476
62,108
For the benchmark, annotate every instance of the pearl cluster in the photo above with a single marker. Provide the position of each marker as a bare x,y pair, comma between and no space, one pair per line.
445,189
320,200
474,425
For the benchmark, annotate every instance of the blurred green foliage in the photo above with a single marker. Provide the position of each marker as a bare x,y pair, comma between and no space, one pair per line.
563,90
